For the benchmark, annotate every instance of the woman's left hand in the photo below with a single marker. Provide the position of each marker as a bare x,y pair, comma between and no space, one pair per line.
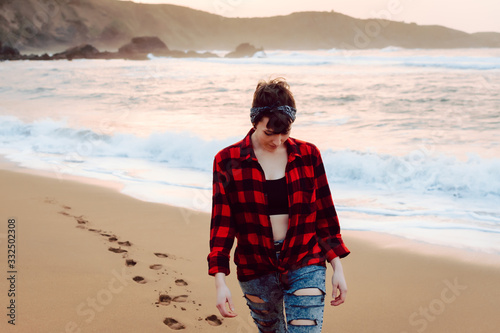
338,282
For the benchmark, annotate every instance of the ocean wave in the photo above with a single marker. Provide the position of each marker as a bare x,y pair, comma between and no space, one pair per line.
416,172
392,57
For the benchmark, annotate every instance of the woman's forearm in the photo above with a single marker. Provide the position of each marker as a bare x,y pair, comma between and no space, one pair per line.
220,279
336,264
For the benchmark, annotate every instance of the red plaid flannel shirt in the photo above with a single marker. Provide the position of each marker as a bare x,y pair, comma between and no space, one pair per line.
239,209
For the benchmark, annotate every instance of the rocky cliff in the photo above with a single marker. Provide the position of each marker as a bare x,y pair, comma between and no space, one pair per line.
55,25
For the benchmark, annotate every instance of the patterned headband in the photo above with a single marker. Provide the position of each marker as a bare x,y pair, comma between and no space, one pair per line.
285,109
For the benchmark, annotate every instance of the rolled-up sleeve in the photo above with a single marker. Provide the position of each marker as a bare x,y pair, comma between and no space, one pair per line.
222,230
328,227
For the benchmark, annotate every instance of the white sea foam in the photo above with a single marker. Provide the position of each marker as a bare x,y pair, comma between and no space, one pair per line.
386,57
476,177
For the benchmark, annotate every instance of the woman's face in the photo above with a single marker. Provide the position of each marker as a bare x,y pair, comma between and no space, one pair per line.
266,138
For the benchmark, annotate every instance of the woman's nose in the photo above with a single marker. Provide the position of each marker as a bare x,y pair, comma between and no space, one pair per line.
278,140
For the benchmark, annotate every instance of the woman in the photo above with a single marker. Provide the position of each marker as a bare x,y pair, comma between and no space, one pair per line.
271,193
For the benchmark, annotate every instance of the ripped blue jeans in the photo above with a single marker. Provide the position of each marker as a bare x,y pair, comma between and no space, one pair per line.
275,306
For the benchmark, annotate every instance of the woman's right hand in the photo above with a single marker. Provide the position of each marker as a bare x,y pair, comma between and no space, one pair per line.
224,297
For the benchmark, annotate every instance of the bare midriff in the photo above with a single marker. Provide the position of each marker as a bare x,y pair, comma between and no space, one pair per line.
279,223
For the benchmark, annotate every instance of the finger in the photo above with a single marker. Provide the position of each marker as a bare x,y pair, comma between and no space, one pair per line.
337,301
231,314
222,310
231,304
225,312
340,299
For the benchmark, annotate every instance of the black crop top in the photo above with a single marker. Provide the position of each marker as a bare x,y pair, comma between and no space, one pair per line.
277,196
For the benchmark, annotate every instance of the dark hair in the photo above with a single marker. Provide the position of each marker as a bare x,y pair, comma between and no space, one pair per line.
274,92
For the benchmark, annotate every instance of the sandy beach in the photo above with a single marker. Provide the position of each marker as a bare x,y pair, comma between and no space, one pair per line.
90,259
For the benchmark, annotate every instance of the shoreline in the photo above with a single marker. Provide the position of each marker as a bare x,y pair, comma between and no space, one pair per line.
72,276
377,238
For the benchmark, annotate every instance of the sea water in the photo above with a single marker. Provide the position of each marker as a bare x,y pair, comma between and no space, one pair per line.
410,139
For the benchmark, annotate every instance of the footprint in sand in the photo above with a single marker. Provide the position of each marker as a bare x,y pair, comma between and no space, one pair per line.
116,250
173,324
130,262
164,299
126,243
112,239
180,298
80,220
181,282
63,213
66,207
156,266
161,255
95,230
139,279
213,320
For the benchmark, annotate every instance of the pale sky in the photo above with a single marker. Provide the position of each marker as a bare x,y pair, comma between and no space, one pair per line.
466,15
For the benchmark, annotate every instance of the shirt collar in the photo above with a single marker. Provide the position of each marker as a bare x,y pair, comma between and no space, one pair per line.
246,148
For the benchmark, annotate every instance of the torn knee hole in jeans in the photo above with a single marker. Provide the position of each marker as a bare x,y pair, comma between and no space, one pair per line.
262,312
303,322
256,300
308,292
